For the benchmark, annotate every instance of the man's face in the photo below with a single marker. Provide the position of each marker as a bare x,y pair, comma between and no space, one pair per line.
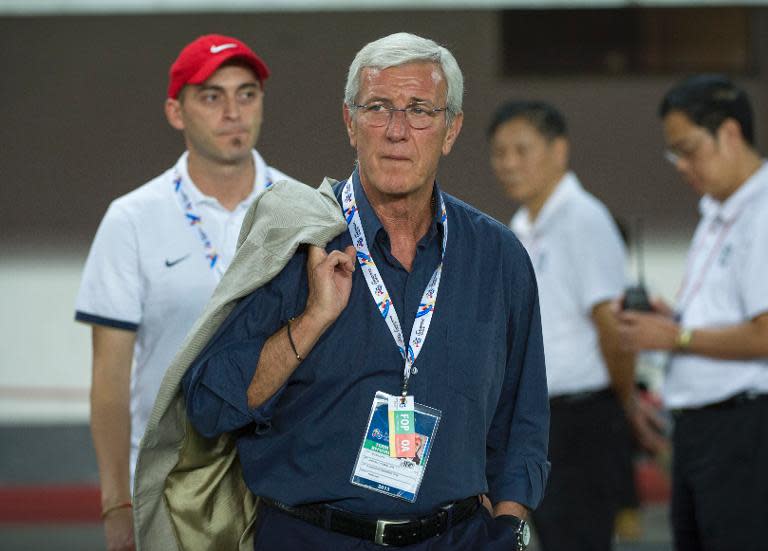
525,162
396,159
698,156
220,118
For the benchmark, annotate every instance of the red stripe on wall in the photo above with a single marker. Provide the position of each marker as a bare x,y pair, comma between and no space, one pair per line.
60,504
50,504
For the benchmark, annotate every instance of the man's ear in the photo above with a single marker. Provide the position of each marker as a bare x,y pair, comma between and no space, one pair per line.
453,133
730,134
562,149
350,126
173,113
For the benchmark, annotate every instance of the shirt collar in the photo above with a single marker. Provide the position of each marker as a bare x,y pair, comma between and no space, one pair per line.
729,209
371,222
199,198
262,179
521,223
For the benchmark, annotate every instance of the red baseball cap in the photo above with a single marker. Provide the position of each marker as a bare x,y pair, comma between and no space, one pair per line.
202,57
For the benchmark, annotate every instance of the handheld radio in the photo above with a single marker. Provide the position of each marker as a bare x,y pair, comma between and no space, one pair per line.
636,297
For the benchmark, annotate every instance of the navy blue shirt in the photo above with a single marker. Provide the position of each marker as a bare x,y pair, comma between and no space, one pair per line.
482,365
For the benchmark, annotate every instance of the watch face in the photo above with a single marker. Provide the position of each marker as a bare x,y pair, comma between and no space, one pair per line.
525,534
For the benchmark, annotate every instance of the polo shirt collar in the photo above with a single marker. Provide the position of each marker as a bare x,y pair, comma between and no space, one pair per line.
262,179
371,222
728,210
199,198
567,186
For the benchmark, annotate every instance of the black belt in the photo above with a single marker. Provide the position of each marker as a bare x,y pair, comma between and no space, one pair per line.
735,400
580,397
396,533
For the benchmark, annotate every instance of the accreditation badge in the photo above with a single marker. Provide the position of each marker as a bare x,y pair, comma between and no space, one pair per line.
402,430
376,468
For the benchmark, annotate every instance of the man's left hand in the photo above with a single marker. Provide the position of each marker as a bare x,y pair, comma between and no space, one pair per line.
510,508
646,331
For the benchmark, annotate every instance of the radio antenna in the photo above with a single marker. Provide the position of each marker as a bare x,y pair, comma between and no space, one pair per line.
635,297
639,252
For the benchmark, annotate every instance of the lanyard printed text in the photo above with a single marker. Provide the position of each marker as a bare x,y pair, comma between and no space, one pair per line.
378,289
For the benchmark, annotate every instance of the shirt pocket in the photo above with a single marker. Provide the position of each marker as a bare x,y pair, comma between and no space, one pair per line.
476,359
723,305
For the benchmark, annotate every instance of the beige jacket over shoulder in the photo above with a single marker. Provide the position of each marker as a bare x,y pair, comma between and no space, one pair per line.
189,492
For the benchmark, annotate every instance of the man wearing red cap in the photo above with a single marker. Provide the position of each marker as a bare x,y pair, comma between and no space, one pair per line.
161,249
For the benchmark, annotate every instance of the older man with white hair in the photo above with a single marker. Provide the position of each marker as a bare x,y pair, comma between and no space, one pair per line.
384,388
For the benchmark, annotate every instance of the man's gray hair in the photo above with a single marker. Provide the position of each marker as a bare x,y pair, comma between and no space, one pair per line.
399,49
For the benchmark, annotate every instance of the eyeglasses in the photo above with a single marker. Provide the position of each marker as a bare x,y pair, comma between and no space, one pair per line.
418,115
688,152
672,157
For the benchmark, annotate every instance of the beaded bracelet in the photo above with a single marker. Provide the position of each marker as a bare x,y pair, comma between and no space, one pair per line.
124,505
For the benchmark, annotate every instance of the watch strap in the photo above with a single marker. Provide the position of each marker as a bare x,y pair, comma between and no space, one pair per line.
521,529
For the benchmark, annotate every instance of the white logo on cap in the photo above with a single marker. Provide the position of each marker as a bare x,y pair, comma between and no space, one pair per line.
217,49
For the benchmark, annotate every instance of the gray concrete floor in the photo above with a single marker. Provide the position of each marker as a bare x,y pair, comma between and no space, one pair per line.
87,537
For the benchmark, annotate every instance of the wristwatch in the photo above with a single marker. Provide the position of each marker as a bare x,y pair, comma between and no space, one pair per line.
522,530
683,339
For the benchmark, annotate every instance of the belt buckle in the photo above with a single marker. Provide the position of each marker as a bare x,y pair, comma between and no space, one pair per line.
381,526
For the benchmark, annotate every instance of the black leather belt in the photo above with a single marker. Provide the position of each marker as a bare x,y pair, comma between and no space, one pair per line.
580,397
733,401
395,533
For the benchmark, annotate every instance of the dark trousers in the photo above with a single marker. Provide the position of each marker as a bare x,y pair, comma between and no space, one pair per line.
720,478
279,531
589,447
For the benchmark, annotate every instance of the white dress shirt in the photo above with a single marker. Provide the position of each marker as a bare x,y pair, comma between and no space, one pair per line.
580,260
726,283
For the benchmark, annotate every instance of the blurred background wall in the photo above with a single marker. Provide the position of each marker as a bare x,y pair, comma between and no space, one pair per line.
81,102
81,98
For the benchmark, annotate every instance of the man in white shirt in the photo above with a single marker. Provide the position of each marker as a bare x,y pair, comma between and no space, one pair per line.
579,259
161,249
717,379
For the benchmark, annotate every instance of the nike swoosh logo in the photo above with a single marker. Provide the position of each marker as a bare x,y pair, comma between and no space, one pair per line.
172,263
222,47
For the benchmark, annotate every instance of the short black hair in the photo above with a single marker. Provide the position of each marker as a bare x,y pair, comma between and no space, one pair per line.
543,116
707,100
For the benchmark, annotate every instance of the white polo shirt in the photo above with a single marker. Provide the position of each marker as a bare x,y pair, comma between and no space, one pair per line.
726,283
579,259
148,272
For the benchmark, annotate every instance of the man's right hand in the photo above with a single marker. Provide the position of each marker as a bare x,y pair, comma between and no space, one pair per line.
657,303
111,428
118,529
649,426
661,307
330,283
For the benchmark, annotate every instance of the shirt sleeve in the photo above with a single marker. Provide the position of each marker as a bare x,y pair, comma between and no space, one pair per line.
110,290
517,466
598,257
216,383
754,267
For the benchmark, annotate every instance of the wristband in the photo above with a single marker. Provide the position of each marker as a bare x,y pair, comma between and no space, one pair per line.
111,508
683,339
290,340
